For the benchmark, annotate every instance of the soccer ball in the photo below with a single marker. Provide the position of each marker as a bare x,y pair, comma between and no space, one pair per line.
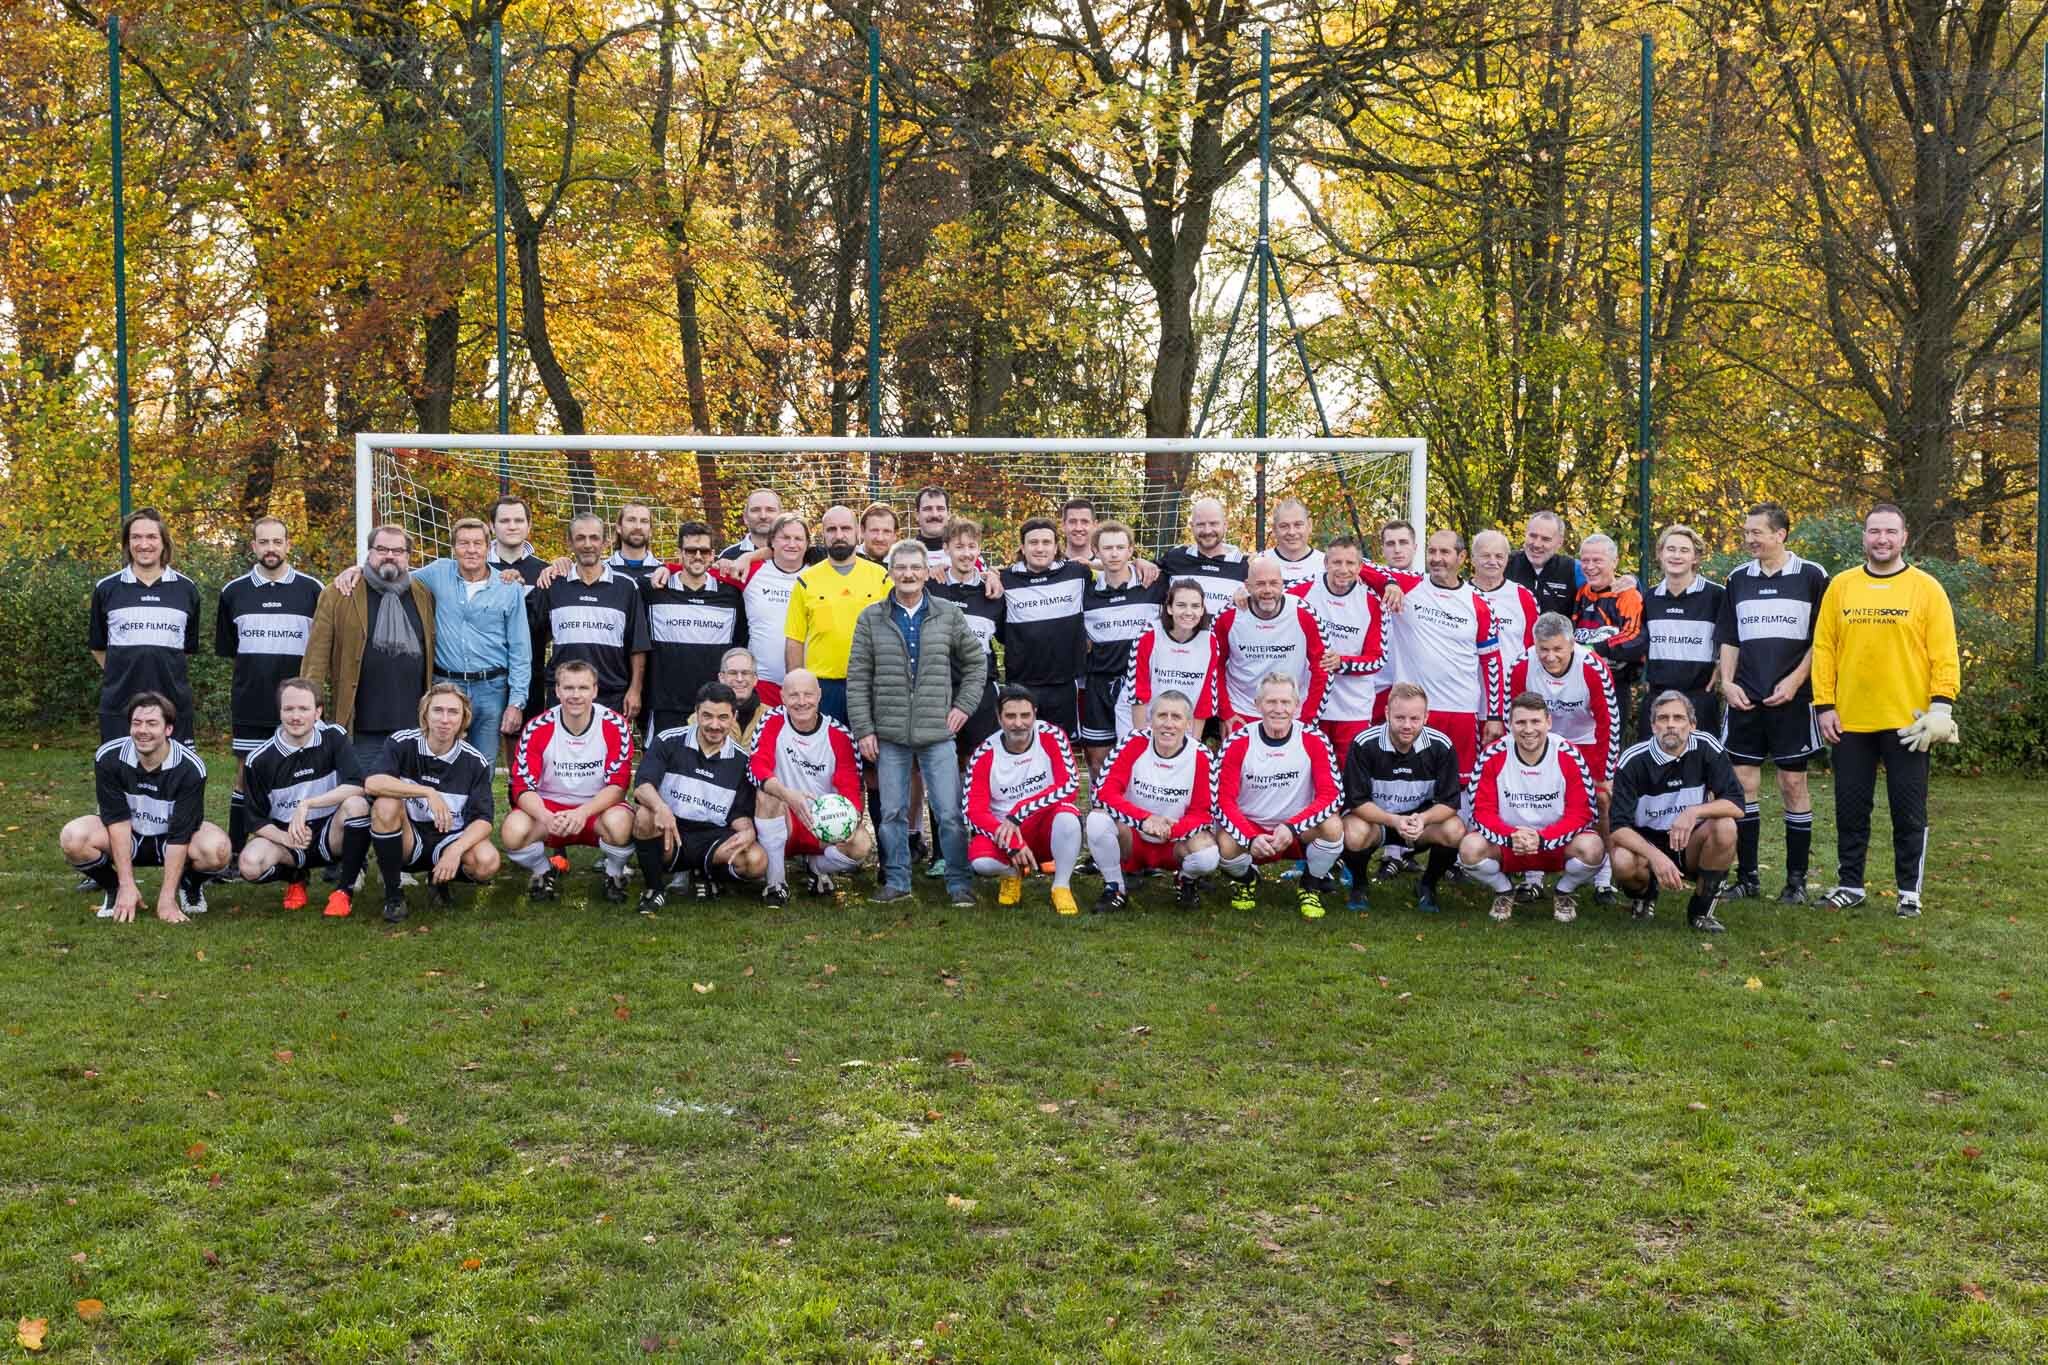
833,818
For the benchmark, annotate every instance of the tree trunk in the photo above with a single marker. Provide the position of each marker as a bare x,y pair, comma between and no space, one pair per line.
440,336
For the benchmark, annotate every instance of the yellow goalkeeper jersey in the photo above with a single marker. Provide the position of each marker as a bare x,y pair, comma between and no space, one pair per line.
1884,647
824,606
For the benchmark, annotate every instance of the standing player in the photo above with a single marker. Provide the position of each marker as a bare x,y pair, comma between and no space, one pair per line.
1609,617
694,805
262,622
1513,606
511,524
632,533
763,510
306,790
1676,800
1045,641
1116,609
1766,640
1885,677
431,805
1077,530
568,786
1019,804
877,532
1278,798
1680,617
800,755
1219,568
1349,614
591,615
1553,579
962,581
144,622
934,509
766,578
1401,782
1574,683
1178,654
1152,809
1271,633
1448,645
692,620
828,599
151,793
1300,561
1532,810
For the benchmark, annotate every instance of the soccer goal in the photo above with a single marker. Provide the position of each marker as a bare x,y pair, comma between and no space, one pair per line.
427,483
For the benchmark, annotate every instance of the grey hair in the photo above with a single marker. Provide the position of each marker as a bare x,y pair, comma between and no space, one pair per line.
1177,697
1286,680
1600,540
725,659
1673,694
907,549
1550,625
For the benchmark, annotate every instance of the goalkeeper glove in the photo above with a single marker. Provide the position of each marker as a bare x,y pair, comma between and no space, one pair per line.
1935,725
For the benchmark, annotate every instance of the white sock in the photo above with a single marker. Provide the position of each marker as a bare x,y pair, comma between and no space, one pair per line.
534,857
1533,878
617,857
1066,846
1201,862
1237,866
830,863
773,832
1605,876
1390,849
1109,857
1322,856
1575,874
1488,874
993,867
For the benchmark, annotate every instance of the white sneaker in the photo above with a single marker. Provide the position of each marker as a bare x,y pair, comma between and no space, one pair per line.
106,910
1909,905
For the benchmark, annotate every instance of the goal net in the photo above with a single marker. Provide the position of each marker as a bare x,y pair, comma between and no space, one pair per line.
427,483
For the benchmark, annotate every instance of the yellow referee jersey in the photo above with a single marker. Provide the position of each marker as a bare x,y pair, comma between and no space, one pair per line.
823,607
1884,648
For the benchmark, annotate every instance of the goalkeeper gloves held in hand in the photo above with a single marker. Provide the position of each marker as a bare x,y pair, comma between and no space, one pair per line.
1935,725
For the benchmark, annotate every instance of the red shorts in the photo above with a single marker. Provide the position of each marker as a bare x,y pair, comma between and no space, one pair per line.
1512,863
585,837
1037,831
1146,856
769,693
1462,729
1340,733
802,842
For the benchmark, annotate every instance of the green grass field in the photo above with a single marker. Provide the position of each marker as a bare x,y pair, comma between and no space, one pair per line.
833,1133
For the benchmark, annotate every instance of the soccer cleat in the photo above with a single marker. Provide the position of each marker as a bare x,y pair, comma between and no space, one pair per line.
1527,893
616,889
295,895
703,889
1010,891
545,886
1244,891
1393,865
88,884
1310,895
820,885
559,861
106,910
339,904
1909,905
1564,907
1359,898
1707,924
1795,892
1642,907
1426,902
1739,890
1843,898
775,895
1605,895
652,901
1187,892
394,908
1503,907
441,895
1063,900
193,901
1110,902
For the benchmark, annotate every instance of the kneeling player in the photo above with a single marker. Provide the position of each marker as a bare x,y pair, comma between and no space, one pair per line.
1532,811
1019,803
1676,801
1401,786
305,786
1152,810
1277,797
694,804
431,806
800,755
151,791
568,784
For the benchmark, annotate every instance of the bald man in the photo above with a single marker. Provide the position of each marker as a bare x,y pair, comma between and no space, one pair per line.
827,599
1218,567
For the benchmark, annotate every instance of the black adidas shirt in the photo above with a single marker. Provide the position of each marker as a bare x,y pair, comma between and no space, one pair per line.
985,614
165,802
263,626
146,630
603,623
1770,619
1044,641
689,630
528,566
703,791
1220,575
635,569
1401,784
1651,787
462,776
1555,586
1114,618
279,776
1683,629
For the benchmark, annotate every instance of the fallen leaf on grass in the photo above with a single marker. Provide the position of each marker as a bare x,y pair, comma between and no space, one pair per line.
959,1061
1048,1108
199,954
473,1263
1271,1247
959,1205
830,969
470,1066
210,1256
1753,984
703,987
213,1181
747,972
1697,1107
283,1055
1405,995
1972,1153
195,1151
1357,947
89,1310
78,1258
622,1013
649,1239
1972,1290
31,1331
651,1345
932,1116
398,1118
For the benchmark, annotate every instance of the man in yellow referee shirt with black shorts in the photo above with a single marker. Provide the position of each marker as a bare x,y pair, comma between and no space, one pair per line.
1885,677
827,599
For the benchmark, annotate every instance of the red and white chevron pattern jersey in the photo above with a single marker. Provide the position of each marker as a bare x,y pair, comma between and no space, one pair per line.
1289,641
1447,643
1263,783
1514,619
816,764
1351,628
1005,786
1581,704
1141,782
1161,663
559,765
1553,795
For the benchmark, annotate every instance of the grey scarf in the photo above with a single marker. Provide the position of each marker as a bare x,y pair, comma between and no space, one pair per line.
394,633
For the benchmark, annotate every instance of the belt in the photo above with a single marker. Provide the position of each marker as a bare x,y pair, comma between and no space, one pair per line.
484,676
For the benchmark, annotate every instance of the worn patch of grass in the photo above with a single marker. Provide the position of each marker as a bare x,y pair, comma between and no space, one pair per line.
510,1133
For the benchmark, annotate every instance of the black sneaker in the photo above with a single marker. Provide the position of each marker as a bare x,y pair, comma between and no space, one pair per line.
652,901
820,885
394,909
1843,898
1392,866
775,895
1606,895
441,895
545,886
1795,892
1110,902
1642,907
1187,892
1707,924
1426,901
920,850
701,888
1739,891
616,889
888,895
1528,893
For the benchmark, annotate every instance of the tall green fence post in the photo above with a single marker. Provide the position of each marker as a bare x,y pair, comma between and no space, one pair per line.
874,257
121,416
1643,337
498,214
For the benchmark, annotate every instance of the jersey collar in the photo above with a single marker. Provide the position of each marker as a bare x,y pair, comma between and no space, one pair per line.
1699,584
1660,758
170,575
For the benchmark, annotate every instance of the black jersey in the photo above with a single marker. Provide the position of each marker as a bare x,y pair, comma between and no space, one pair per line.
984,613
146,630
263,626
635,569
1683,629
1044,642
1651,787
462,776
280,774
1770,619
703,791
1401,783
604,624
167,801
1220,575
528,565
1555,586
1114,618
688,631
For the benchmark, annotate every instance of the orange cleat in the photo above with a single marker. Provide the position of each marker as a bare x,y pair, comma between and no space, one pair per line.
338,905
294,895
559,861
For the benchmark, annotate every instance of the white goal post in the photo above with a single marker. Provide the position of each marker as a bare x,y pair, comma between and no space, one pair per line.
424,482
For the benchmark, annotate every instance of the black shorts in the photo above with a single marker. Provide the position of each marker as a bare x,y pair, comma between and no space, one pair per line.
428,844
315,853
1099,705
981,724
1785,735
249,738
147,850
694,847
1058,705
1660,839
1706,712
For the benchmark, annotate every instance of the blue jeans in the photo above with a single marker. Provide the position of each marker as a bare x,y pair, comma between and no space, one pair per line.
941,768
487,702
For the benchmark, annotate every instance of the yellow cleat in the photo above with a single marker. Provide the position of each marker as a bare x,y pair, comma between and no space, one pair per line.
1063,900
1010,891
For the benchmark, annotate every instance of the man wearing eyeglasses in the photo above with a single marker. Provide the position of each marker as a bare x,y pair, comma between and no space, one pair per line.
374,650
693,618
742,673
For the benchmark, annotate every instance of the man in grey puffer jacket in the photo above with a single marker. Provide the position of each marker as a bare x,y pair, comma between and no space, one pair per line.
916,671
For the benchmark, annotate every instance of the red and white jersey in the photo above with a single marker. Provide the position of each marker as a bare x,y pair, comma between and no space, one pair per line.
567,768
1304,570
765,589
1514,619
816,764
1581,704
1444,640
1161,663
1005,786
1553,795
1140,782
1263,783
1251,646
1351,627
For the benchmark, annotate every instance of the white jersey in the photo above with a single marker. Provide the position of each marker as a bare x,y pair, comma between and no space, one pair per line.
1262,784
1140,782
1553,795
767,597
816,764
1447,645
1289,641
1514,618
1351,628
566,768
1581,703
1293,571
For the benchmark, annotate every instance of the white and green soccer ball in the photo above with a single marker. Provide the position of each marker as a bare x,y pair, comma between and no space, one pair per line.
833,818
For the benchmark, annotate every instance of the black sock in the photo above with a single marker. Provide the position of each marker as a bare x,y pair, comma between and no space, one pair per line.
1440,860
1798,843
653,863
390,860
273,873
101,870
192,879
238,821
1360,863
355,848
1748,833
1702,902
